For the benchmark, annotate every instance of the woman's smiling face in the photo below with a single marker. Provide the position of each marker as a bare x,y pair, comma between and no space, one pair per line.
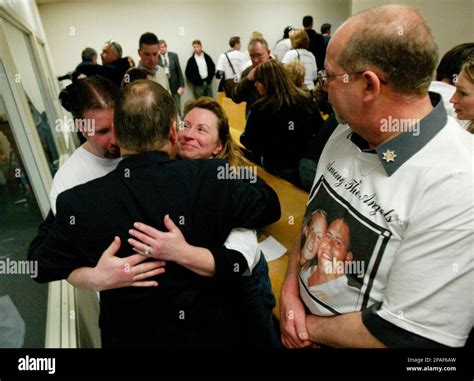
198,135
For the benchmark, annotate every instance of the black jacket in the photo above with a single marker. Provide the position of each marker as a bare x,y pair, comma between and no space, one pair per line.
317,46
192,71
114,71
245,90
279,135
186,310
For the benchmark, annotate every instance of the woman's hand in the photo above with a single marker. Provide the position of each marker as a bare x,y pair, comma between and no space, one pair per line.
166,246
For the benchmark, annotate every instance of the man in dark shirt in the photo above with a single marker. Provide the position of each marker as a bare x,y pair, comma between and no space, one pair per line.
186,310
317,45
113,65
245,91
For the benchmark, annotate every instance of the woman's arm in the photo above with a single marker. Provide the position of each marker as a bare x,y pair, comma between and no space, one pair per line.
221,262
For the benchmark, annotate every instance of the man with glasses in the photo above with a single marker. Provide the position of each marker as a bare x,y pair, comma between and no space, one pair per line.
401,171
245,91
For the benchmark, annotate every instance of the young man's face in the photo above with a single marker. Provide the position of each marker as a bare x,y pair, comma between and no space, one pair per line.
335,244
163,48
101,139
149,56
197,48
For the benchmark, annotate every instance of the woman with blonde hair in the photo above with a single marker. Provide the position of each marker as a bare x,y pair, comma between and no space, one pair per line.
280,122
218,142
463,98
299,52
296,71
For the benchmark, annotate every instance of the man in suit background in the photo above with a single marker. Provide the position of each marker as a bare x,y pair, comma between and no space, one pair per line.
170,62
317,46
187,310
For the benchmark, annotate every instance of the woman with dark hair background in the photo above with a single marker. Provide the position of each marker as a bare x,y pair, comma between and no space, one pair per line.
280,122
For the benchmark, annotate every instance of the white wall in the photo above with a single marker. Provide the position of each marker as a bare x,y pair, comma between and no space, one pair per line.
70,26
27,12
451,21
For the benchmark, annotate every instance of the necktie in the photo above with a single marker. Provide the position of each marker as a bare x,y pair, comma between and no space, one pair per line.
167,69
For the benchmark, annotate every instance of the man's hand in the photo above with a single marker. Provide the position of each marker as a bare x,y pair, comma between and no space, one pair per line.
166,246
180,91
251,75
131,61
113,272
293,320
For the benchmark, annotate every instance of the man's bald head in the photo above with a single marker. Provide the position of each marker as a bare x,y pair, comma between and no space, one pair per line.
144,114
394,41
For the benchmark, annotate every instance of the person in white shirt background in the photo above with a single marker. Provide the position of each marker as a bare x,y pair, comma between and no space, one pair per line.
283,45
300,43
232,69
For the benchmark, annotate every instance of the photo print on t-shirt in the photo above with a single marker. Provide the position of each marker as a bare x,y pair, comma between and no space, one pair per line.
340,254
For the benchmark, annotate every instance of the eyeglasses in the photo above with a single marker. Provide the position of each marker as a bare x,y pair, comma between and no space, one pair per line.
323,77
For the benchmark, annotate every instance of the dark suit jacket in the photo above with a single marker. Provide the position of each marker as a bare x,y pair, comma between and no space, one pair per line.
317,46
186,310
176,75
192,71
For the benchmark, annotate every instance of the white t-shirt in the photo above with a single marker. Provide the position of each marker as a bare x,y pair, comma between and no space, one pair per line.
245,242
309,62
161,77
237,58
281,48
202,65
348,297
80,168
411,225
158,75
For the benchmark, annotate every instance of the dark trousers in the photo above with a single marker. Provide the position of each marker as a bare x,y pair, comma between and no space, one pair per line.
259,328
204,90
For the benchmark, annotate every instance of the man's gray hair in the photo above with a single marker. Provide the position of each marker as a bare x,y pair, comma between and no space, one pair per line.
116,48
88,54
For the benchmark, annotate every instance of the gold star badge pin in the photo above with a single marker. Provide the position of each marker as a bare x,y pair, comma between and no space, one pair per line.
389,156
